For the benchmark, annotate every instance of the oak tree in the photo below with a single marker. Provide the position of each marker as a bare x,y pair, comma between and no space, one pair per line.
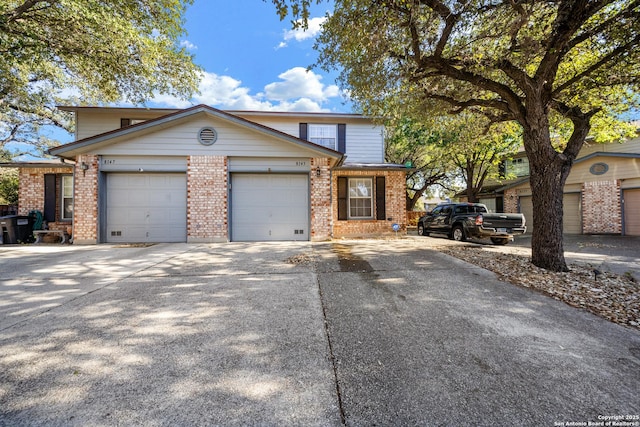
537,63
87,51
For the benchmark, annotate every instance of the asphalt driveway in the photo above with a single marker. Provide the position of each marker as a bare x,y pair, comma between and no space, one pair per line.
350,332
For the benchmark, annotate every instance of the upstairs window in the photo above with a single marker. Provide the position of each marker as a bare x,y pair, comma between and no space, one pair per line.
325,135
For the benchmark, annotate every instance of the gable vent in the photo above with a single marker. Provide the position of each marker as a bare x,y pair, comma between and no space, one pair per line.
207,136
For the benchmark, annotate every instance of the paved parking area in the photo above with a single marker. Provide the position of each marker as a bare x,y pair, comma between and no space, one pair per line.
355,333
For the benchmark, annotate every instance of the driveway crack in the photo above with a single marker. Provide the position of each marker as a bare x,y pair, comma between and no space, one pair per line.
332,357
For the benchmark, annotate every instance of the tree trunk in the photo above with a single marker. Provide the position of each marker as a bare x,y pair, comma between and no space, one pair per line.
548,173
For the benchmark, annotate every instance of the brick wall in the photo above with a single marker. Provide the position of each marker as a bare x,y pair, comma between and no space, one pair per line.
601,210
207,201
395,184
320,199
85,200
31,192
510,201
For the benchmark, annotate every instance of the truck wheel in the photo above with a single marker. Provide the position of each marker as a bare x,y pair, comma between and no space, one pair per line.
457,234
499,241
422,231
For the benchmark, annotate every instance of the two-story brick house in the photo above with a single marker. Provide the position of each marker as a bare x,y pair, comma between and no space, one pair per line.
206,175
601,194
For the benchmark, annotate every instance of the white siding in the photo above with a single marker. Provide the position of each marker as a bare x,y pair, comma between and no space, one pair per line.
364,141
143,164
90,122
182,139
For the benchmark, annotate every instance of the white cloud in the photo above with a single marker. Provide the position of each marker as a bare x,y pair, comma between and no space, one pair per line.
298,90
314,28
188,45
298,82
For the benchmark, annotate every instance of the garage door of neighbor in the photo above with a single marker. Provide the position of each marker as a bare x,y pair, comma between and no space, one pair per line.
268,207
632,212
144,208
571,220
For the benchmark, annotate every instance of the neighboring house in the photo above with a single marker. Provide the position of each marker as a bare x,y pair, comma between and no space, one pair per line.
46,186
206,175
601,194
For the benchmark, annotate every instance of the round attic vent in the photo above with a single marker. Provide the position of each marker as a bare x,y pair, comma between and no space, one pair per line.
599,168
207,136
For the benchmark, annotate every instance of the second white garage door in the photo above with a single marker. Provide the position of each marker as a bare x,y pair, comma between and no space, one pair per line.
269,207
146,208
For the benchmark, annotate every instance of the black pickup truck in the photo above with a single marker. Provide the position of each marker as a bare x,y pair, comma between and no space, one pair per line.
471,220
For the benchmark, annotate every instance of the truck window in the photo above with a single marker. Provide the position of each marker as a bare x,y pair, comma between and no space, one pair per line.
461,210
446,210
479,209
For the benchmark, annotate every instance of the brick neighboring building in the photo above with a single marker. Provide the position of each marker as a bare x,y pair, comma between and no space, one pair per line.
205,175
47,187
601,194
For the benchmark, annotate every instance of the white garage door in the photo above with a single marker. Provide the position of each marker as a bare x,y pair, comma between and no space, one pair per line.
269,207
146,208
632,212
571,220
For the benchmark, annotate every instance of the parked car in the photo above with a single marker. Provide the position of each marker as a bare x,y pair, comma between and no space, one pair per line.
461,221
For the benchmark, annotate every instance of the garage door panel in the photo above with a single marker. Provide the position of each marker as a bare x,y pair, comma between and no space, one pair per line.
269,207
631,212
571,218
146,208
526,208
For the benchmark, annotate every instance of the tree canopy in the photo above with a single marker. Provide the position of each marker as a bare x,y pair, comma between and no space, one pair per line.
87,51
554,67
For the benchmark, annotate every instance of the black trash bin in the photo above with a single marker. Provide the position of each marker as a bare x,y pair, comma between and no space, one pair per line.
16,229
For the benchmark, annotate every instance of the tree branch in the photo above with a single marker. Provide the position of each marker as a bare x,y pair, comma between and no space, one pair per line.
611,56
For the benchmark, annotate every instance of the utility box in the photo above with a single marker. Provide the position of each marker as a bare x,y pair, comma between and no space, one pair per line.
16,229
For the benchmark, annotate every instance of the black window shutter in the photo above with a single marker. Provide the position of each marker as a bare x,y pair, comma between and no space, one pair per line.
125,122
343,205
381,212
303,131
342,138
49,213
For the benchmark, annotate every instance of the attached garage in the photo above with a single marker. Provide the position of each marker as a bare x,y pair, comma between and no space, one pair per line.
631,212
571,220
145,207
269,207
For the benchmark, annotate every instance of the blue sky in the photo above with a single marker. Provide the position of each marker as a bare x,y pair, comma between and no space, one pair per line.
254,61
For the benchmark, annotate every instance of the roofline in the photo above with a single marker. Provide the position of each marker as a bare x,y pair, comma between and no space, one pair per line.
72,108
581,159
607,154
372,166
179,114
36,165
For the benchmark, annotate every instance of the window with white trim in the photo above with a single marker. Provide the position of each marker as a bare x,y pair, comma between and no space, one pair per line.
325,135
66,202
360,198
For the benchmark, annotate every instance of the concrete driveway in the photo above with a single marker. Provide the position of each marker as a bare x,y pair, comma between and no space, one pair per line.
370,333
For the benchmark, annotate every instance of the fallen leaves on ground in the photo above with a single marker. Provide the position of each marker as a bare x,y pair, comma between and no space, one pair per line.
609,295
